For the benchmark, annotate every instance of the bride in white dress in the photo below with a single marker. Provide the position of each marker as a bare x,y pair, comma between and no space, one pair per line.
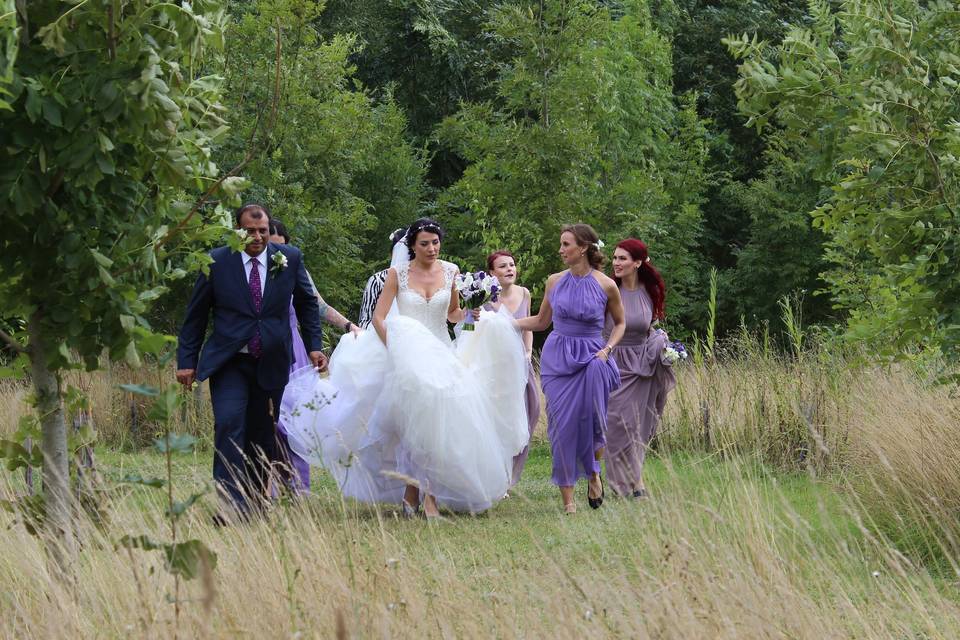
406,411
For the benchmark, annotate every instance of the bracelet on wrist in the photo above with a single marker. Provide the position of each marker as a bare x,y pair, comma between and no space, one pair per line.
346,326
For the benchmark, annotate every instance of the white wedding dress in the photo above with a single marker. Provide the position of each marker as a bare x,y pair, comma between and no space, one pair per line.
421,410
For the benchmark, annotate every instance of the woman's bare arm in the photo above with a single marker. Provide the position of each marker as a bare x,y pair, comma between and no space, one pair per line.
334,317
454,313
544,316
615,309
527,335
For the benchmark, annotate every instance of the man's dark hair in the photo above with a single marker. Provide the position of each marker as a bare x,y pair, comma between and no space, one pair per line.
277,228
251,207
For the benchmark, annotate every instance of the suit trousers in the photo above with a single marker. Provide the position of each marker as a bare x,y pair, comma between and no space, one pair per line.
245,435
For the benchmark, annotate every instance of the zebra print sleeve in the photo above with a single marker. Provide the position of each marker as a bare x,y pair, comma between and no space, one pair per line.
371,293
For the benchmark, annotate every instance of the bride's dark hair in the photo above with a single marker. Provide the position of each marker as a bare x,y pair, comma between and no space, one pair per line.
423,224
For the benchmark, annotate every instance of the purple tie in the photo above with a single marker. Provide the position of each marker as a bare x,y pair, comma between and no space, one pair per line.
254,345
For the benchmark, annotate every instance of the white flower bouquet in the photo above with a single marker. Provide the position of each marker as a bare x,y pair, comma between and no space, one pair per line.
476,289
673,352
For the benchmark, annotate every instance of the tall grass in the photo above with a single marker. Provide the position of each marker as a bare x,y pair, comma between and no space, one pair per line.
721,552
714,554
119,417
885,433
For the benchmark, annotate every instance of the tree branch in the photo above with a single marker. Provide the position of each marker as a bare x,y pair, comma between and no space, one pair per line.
21,6
936,172
251,151
12,343
111,36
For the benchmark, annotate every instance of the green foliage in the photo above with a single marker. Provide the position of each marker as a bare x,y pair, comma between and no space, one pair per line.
429,56
336,167
583,128
736,221
21,451
175,443
870,96
182,559
9,33
111,121
14,450
784,253
701,63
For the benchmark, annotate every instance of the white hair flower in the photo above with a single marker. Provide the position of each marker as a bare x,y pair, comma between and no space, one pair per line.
598,244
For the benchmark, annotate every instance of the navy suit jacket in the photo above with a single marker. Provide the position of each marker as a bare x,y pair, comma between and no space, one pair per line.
226,293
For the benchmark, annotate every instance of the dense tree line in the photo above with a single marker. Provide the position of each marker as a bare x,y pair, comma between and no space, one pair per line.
808,152
707,128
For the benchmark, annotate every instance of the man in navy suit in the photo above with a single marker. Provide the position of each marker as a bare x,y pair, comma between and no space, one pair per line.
247,357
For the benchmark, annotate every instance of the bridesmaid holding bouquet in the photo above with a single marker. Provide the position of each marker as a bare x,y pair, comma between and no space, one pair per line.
516,299
635,408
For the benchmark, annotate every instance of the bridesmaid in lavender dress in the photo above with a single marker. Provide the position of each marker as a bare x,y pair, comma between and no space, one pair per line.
636,406
517,301
575,367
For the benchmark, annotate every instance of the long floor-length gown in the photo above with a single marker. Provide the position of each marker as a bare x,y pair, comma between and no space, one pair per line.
300,479
636,406
449,418
576,383
531,395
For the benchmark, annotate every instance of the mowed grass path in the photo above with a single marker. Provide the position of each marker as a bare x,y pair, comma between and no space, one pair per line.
722,549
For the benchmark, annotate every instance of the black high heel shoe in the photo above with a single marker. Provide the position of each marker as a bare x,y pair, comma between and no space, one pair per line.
595,502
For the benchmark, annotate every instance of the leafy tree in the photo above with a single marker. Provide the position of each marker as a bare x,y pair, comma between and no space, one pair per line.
703,65
337,167
109,123
784,253
869,95
583,128
428,55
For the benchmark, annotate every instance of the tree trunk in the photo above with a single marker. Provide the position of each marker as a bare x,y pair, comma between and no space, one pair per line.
61,545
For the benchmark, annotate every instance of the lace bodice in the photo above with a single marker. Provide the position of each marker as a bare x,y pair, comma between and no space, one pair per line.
430,313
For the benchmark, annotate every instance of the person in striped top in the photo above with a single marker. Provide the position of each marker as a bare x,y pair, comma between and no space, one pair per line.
374,287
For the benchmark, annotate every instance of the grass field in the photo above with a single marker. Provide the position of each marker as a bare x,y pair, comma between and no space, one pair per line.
722,549
803,497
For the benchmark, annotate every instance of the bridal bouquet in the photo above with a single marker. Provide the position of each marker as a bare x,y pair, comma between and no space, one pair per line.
672,352
476,289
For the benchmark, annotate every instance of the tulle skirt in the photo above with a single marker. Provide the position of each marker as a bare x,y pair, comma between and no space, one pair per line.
448,418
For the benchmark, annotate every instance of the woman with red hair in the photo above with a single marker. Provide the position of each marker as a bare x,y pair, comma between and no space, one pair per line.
636,406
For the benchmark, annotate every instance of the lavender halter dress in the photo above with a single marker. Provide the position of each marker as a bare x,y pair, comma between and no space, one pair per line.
635,408
576,383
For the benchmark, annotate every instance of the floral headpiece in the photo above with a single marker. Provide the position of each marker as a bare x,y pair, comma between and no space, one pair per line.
422,225
598,244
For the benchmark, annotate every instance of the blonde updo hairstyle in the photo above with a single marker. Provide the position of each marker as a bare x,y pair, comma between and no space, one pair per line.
587,238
